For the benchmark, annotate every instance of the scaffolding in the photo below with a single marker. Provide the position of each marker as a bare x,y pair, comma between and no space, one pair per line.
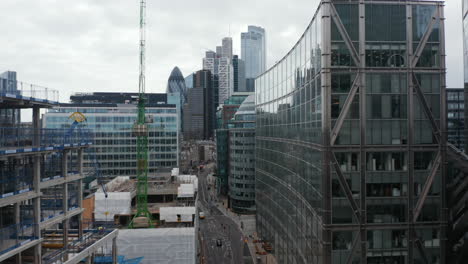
41,180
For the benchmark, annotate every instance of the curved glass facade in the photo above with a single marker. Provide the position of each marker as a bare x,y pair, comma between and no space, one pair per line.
349,155
242,158
288,161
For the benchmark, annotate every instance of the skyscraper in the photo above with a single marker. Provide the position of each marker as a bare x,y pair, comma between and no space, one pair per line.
210,62
351,163
176,84
199,111
238,75
219,63
203,79
193,118
189,81
226,48
224,79
253,52
9,85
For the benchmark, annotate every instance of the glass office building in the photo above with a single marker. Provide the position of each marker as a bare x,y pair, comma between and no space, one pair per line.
242,158
253,53
224,115
115,145
350,161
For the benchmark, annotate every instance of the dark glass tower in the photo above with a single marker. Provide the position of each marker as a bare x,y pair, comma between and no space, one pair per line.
238,76
350,158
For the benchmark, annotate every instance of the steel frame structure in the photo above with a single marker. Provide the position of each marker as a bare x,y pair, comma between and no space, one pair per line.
330,134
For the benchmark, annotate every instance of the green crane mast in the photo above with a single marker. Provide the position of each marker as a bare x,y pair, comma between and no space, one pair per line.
142,218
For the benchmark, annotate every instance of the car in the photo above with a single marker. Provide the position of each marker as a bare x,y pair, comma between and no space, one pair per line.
219,243
201,215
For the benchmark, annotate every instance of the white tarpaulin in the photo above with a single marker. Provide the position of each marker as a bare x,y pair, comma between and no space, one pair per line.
186,190
188,179
115,203
169,214
158,245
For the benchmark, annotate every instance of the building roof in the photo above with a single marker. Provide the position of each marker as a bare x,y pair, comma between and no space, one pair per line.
116,98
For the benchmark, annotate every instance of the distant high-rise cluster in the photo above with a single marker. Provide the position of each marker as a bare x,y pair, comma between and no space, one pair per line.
219,64
235,134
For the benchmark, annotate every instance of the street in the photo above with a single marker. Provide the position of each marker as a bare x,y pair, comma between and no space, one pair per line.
217,226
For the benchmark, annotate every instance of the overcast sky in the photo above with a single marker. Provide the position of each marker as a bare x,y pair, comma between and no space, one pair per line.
92,45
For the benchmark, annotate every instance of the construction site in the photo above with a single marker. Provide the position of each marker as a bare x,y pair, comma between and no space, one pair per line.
172,203
44,217
41,178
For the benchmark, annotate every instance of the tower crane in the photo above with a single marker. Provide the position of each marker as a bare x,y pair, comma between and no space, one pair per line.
142,218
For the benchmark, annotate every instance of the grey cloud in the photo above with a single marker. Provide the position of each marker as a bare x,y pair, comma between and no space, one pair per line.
92,45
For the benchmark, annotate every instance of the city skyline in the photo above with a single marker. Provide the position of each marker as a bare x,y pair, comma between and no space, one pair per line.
318,132
98,53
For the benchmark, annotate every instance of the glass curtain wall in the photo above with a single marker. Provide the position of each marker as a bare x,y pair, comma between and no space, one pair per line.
114,145
287,151
349,157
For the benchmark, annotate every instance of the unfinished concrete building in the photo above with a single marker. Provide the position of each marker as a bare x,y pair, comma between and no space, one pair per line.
41,186
171,200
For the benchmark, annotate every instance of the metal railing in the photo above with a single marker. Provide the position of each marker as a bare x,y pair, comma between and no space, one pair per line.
12,88
20,137
16,235
15,181
92,233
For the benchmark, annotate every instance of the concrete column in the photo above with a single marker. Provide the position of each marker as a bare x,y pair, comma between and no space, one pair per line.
65,225
64,163
80,161
17,212
80,192
65,196
37,201
18,258
114,250
36,122
38,254
17,222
